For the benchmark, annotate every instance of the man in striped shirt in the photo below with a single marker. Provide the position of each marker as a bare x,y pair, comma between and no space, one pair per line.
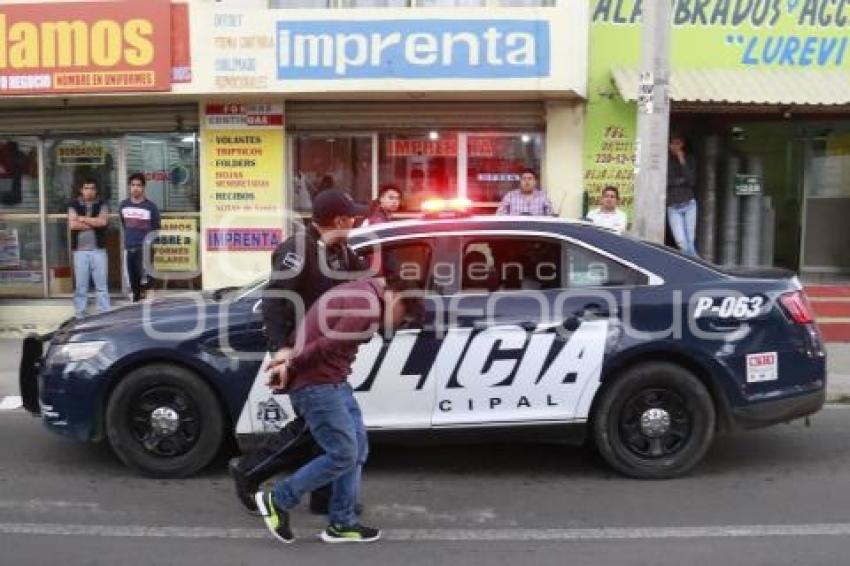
527,200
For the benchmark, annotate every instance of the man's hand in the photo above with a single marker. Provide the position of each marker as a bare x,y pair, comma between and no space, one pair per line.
278,377
283,356
278,369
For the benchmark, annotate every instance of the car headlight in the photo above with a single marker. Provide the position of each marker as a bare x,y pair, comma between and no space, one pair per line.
74,352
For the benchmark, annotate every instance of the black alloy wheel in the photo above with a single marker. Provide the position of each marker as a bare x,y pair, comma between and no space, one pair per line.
164,421
655,420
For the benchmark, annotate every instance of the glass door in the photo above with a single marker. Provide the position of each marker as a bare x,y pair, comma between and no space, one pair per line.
69,161
169,162
826,205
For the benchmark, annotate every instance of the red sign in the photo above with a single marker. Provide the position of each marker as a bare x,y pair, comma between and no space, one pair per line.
240,116
181,52
85,47
427,148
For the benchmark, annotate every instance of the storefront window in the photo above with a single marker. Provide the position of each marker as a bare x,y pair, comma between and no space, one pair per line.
20,228
169,163
301,3
451,3
494,163
376,3
331,162
422,166
526,3
69,161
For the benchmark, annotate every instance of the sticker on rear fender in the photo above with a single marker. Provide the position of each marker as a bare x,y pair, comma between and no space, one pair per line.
729,307
763,366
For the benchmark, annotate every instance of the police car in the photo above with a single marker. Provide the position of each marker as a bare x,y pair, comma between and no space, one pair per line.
535,328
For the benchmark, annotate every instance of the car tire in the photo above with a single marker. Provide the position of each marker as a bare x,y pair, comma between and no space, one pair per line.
655,421
164,421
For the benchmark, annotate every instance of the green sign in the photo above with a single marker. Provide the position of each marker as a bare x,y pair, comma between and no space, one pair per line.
746,185
707,34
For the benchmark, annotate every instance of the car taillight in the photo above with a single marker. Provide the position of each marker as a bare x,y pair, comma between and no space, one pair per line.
796,304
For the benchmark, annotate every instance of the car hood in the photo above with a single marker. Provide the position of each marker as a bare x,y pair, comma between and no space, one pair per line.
186,307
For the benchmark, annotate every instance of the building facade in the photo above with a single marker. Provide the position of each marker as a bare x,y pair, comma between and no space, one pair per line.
761,92
267,104
238,112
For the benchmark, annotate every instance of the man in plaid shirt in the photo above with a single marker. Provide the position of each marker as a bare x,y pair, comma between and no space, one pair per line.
527,200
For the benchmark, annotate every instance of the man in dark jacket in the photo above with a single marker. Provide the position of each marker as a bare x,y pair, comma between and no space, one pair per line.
681,202
316,380
307,264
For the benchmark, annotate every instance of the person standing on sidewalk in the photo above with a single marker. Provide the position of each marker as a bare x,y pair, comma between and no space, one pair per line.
681,199
88,220
609,214
316,380
139,216
307,264
383,208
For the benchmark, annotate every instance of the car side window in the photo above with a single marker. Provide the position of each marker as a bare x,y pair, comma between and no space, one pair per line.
586,268
412,261
510,264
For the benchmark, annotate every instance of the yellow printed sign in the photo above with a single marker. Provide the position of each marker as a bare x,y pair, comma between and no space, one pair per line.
241,190
176,247
81,154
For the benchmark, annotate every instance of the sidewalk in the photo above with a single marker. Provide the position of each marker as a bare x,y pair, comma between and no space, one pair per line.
838,381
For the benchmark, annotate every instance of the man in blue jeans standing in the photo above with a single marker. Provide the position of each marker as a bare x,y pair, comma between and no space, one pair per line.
139,216
88,220
315,378
681,201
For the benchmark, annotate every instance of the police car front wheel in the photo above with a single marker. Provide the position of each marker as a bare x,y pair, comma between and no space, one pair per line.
164,421
656,420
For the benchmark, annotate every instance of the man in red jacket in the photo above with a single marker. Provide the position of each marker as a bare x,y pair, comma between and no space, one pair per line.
315,378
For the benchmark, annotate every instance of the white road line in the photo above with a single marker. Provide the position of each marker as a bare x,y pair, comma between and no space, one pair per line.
447,535
10,402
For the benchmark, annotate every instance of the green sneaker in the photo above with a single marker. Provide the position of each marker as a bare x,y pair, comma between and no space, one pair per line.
276,520
354,533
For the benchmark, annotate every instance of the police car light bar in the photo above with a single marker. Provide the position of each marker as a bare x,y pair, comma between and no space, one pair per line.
445,208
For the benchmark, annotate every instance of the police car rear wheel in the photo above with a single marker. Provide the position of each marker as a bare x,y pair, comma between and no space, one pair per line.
164,421
656,420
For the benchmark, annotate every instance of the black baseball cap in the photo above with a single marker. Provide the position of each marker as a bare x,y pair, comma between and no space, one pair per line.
331,203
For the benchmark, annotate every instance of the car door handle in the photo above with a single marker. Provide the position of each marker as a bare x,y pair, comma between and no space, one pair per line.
257,306
592,310
724,325
524,324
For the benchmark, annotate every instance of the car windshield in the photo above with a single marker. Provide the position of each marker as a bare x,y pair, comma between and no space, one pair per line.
235,293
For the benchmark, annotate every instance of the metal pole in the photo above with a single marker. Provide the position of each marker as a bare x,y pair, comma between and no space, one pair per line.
653,123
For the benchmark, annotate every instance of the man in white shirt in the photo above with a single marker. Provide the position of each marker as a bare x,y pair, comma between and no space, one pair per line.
608,215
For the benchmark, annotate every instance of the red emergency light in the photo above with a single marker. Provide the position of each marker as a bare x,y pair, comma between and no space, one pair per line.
446,208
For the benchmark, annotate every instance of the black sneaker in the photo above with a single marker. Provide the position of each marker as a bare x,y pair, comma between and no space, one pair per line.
354,533
276,520
245,489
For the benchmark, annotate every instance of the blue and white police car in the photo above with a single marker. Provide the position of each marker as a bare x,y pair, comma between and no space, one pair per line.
534,328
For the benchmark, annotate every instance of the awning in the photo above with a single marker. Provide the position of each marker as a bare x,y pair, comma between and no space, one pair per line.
747,86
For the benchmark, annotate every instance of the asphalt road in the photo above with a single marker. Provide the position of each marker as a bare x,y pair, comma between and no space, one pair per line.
776,496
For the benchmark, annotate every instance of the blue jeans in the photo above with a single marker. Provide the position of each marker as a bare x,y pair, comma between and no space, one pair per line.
90,265
683,224
335,421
